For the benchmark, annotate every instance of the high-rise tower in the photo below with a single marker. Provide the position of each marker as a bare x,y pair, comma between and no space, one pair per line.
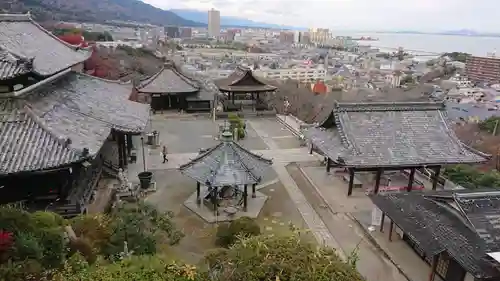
213,23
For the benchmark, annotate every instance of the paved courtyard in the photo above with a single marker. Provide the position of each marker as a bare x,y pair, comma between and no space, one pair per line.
325,219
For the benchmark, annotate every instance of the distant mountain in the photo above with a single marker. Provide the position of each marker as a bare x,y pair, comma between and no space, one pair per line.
226,21
97,11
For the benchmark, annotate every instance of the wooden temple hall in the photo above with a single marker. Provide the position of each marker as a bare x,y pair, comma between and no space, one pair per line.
383,136
173,89
456,232
58,127
243,89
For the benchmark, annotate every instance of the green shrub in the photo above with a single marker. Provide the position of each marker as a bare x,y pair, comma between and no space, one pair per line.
227,234
21,270
27,246
42,219
14,220
54,248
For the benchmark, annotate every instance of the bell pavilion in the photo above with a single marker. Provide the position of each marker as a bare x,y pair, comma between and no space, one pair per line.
60,130
244,89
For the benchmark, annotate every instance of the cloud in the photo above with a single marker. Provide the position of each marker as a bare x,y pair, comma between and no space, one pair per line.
355,14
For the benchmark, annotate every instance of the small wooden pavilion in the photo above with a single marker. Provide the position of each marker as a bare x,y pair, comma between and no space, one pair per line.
385,136
242,85
226,167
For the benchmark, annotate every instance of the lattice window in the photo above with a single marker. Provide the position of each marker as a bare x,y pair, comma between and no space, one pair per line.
442,265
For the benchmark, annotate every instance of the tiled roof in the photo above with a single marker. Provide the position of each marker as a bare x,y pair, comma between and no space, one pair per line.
12,66
385,134
26,144
20,35
168,80
78,111
243,80
228,163
436,225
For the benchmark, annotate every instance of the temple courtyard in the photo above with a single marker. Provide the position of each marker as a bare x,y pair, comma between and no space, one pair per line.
298,189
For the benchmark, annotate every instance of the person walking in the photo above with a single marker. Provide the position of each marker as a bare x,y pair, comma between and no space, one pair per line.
164,154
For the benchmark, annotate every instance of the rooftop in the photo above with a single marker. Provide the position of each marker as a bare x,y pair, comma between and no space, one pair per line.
26,39
390,134
168,80
227,163
243,80
12,66
57,121
463,223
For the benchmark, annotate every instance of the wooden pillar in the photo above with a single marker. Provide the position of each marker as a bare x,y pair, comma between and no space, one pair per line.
253,190
435,180
311,149
120,150
377,181
215,202
198,201
130,144
391,227
245,198
124,150
328,164
434,264
351,181
382,223
411,179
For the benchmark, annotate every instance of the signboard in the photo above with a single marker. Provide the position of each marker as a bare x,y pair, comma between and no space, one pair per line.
376,217
156,95
400,232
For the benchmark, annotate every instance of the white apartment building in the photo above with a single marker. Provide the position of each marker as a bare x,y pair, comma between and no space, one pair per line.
213,23
306,74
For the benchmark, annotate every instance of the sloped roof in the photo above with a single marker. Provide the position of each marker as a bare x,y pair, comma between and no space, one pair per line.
26,144
168,80
12,66
62,118
243,80
228,163
20,35
383,134
437,224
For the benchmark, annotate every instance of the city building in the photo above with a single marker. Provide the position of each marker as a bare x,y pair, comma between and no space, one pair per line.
213,23
483,69
319,35
173,31
186,32
286,37
303,74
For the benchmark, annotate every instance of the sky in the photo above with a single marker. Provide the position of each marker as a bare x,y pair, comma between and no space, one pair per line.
418,15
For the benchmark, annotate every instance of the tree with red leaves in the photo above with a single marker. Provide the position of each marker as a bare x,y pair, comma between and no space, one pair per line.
6,243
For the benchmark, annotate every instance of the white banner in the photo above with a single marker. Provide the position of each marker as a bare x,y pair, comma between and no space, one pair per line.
376,217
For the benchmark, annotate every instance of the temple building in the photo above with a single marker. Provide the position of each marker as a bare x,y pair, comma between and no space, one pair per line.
455,231
58,127
244,89
172,89
389,136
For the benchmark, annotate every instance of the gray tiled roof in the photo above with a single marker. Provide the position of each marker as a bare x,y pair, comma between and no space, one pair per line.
168,80
243,80
228,163
12,66
77,110
26,144
436,225
391,134
20,35
85,109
